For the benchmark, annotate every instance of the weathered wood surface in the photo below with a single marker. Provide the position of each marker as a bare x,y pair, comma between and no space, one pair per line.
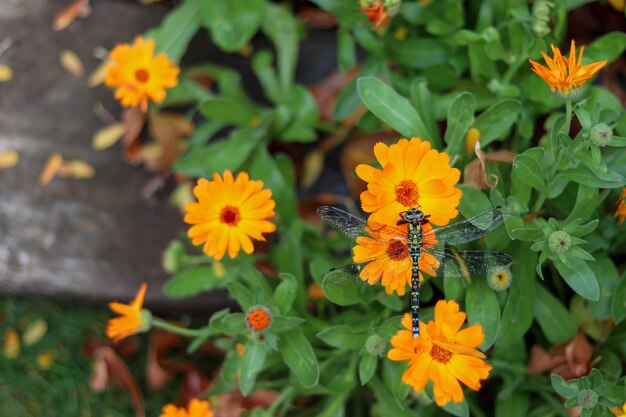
93,240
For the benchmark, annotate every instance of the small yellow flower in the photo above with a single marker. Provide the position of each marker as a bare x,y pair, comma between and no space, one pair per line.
258,318
566,76
132,319
195,408
443,353
228,213
471,138
138,74
621,207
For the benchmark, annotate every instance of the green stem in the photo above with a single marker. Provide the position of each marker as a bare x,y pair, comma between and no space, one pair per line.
568,116
162,324
286,395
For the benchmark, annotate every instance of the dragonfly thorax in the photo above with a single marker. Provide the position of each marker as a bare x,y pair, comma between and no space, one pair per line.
413,216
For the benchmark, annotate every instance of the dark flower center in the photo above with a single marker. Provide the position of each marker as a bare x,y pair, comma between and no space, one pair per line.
230,215
397,251
142,75
406,193
440,355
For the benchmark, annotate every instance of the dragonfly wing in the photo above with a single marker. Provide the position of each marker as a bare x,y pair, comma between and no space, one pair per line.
354,227
469,229
467,263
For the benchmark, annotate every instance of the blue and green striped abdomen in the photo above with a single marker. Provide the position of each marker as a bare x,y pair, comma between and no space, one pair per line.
414,240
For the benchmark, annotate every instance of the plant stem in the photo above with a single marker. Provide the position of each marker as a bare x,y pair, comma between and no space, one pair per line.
568,116
162,324
284,396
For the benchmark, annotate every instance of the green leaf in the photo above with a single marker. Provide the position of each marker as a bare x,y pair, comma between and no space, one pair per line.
233,323
579,277
367,367
343,336
264,71
251,364
284,30
556,322
267,169
241,294
287,255
495,122
473,201
417,53
228,111
285,292
194,281
385,400
346,50
618,304
610,47
232,23
283,324
528,171
482,308
518,310
341,287
565,389
304,114
422,102
583,175
173,35
298,355
515,404
391,108
608,278
460,117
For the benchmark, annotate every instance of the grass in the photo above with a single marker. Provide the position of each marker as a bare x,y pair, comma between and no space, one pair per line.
29,390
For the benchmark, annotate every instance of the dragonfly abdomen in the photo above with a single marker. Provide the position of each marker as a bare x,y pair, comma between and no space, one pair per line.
415,243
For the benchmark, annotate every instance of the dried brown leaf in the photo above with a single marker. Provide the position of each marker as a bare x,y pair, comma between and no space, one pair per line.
8,159
194,383
234,404
34,332
108,136
77,169
12,346
541,361
72,63
312,167
67,15
168,131
578,354
316,18
158,369
50,169
109,367
6,73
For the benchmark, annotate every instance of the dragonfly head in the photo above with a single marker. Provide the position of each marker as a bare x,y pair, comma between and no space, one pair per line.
413,215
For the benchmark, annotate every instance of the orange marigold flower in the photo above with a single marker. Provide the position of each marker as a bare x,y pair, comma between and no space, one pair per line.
566,75
132,318
195,408
412,175
376,13
258,318
392,260
619,411
228,212
442,353
138,74
621,207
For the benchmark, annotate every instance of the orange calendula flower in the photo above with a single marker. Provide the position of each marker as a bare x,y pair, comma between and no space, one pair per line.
377,13
412,175
391,259
442,353
566,75
619,411
132,318
228,213
621,207
138,74
258,318
195,408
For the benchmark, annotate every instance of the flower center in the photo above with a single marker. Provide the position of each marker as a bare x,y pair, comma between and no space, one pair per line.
258,318
501,277
440,354
406,193
397,251
230,215
142,75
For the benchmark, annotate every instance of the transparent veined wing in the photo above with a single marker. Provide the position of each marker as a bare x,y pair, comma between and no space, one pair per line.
470,229
354,227
467,263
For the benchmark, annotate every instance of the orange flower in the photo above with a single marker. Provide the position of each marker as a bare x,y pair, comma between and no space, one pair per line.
392,261
566,75
441,353
377,13
258,318
412,175
228,212
138,74
132,319
619,411
621,207
195,408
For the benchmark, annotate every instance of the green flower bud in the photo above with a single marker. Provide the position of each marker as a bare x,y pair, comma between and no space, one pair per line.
146,320
173,257
500,279
559,241
375,345
392,7
601,135
587,399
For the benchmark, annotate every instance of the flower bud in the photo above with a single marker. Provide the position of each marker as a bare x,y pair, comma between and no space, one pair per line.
559,241
146,320
601,135
392,7
375,345
587,399
500,279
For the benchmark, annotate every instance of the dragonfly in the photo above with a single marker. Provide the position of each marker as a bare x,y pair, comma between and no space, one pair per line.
419,240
